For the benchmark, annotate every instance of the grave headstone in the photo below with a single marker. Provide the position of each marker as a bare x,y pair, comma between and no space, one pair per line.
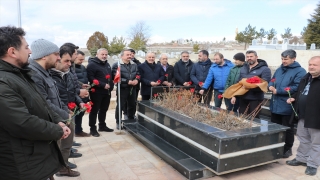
285,41
254,42
274,40
313,46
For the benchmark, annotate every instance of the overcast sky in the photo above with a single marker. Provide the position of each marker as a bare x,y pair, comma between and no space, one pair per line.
74,21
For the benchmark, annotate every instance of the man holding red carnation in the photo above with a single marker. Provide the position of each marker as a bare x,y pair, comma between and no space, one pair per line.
254,96
286,78
129,79
100,93
306,104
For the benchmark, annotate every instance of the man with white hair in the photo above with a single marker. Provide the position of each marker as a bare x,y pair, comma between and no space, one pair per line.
168,70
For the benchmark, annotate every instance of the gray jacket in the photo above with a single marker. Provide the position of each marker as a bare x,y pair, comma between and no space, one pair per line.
48,88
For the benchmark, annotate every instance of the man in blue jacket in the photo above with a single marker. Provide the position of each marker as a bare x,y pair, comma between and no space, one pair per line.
199,73
218,73
289,75
254,67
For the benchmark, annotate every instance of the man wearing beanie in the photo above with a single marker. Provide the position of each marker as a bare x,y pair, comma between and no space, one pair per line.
239,60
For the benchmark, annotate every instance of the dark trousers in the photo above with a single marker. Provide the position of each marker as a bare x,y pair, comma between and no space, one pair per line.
100,106
145,97
232,107
78,122
125,110
250,104
284,120
127,101
206,97
217,101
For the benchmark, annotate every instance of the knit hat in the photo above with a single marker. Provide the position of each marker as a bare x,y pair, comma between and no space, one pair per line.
239,56
41,48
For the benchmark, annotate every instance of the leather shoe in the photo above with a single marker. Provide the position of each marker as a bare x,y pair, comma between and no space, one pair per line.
76,144
82,134
106,129
73,150
71,165
311,171
74,155
287,154
295,162
94,133
66,171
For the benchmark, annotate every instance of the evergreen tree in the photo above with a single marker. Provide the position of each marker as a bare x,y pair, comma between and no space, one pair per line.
271,34
287,33
312,31
246,36
116,45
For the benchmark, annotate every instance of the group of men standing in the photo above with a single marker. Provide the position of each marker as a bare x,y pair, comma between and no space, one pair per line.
37,131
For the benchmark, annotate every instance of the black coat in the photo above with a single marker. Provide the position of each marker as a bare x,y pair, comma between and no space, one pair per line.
82,76
138,63
312,111
67,87
28,134
49,90
199,73
128,72
148,75
168,73
182,72
98,70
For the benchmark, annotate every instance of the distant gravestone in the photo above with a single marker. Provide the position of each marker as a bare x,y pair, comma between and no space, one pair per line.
265,42
313,46
274,40
254,42
114,57
285,41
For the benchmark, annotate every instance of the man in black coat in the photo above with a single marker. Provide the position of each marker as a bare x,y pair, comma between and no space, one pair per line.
81,73
306,103
152,75
98,69
68,93
128,83
168,70
182,70
29,128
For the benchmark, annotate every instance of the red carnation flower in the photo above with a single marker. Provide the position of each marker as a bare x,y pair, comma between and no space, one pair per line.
108,76
95,82
93,90
220,96
166,75
91,103
200,83
287,89
253,80
273,80
87,107
72,105
190,82
192,90
159,81
137,77
155,95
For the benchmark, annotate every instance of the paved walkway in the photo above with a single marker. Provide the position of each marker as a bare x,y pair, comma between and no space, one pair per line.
118,157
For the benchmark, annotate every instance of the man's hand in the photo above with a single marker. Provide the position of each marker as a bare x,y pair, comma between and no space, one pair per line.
290,100
201,91
82,105
85,86
186,84
66,130
273,90
84,93
233,100
154,83
107,86
135,82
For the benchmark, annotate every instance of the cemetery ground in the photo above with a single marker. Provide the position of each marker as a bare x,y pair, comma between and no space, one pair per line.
116,157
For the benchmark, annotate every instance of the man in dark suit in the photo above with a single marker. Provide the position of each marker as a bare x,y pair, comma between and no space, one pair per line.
168,70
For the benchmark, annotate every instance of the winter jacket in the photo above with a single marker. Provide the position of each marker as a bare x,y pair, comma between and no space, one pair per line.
148,75
98,70
75,78
233,76
261,70
312,109
82,76
138,63
128,72
219,75
169,73
66,86
28,133
182,72
199,72
48,88
285,76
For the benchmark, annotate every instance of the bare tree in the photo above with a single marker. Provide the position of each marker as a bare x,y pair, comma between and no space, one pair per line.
139,34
